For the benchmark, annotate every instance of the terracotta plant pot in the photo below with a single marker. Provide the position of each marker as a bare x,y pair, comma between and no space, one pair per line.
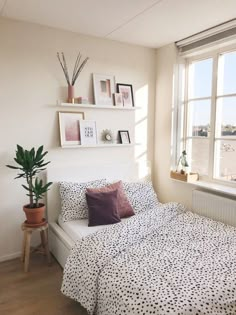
34,215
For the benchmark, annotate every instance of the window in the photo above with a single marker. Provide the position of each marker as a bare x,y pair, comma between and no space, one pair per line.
209,111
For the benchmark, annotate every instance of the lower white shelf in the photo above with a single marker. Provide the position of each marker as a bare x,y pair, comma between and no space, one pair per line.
99,145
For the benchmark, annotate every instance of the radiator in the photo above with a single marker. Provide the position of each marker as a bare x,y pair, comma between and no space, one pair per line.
214,206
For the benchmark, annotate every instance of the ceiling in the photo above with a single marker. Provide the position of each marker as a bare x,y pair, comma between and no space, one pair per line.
151,23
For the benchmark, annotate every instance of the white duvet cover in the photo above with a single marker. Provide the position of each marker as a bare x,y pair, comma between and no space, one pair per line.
162,261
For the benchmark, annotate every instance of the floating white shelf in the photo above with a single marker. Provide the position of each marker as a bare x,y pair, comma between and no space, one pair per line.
99,145
93,106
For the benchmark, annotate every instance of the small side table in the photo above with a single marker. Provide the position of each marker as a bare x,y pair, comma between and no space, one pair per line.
25,256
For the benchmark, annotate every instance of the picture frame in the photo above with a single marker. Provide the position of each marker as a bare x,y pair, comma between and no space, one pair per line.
118,99
124,136
104,88
88,132
127,93
69,128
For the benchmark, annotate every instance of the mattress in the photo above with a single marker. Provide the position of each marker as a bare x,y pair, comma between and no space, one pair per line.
78,229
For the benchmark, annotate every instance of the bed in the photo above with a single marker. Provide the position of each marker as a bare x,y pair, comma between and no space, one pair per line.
164,260
60,241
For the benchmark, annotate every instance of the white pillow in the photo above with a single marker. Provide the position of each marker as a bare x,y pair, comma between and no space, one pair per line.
141,195
73,199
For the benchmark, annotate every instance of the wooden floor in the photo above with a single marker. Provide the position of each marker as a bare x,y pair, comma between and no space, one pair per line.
36,292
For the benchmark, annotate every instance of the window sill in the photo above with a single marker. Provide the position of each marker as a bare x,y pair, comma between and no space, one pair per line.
212,186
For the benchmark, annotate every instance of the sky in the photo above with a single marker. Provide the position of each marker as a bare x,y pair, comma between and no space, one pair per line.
201,73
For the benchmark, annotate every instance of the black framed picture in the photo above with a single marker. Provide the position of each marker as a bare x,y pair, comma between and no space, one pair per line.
127,93
124,136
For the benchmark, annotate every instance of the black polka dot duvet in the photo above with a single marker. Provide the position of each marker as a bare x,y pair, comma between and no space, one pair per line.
162,261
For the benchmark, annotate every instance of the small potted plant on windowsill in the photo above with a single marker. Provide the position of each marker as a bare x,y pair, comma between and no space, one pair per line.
30,164
183,174
183,162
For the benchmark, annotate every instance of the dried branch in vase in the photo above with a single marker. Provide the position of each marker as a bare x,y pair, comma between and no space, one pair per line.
78,67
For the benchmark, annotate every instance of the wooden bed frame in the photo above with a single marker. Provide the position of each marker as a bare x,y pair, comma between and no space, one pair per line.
60,243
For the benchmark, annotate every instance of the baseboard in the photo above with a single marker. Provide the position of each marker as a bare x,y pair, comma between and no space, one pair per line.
10,256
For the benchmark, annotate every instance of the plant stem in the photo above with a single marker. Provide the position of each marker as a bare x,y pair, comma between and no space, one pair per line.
30,191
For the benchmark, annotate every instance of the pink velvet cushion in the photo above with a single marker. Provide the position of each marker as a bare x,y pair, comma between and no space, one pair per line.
124,207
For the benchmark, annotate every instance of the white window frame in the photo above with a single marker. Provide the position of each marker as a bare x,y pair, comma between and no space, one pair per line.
179,123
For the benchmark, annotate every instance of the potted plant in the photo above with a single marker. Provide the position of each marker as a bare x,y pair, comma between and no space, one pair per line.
183,162
30,164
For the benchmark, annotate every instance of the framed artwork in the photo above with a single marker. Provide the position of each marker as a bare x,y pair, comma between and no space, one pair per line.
118,99
127,93
88,132
124,136
104,87
69,128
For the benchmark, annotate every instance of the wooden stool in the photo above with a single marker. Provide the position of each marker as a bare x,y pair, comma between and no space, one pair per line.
25,256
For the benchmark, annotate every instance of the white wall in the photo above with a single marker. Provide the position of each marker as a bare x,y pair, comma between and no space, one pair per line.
168,189
32,82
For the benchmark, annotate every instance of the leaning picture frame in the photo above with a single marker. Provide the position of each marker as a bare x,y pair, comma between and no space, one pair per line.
88,132
69,128
104,87
127,94
124,136
118,99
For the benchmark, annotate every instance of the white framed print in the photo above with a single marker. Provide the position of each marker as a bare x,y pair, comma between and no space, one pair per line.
104,87
88,132
118,99
69,124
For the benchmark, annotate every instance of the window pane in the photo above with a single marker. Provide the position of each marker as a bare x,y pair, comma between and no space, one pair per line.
227,74
198,155
226,117
200,78
199,113
225,155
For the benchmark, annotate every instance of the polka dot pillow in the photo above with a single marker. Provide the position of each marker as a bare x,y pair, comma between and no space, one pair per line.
73,199
141,195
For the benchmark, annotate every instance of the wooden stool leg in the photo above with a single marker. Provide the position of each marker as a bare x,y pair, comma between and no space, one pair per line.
27,250
23,247
44,240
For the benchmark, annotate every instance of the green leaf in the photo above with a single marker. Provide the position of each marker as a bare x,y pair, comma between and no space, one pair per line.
19,161
13,167
20,175
20,150
43,164
27,188
39,153
32,152
48,184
